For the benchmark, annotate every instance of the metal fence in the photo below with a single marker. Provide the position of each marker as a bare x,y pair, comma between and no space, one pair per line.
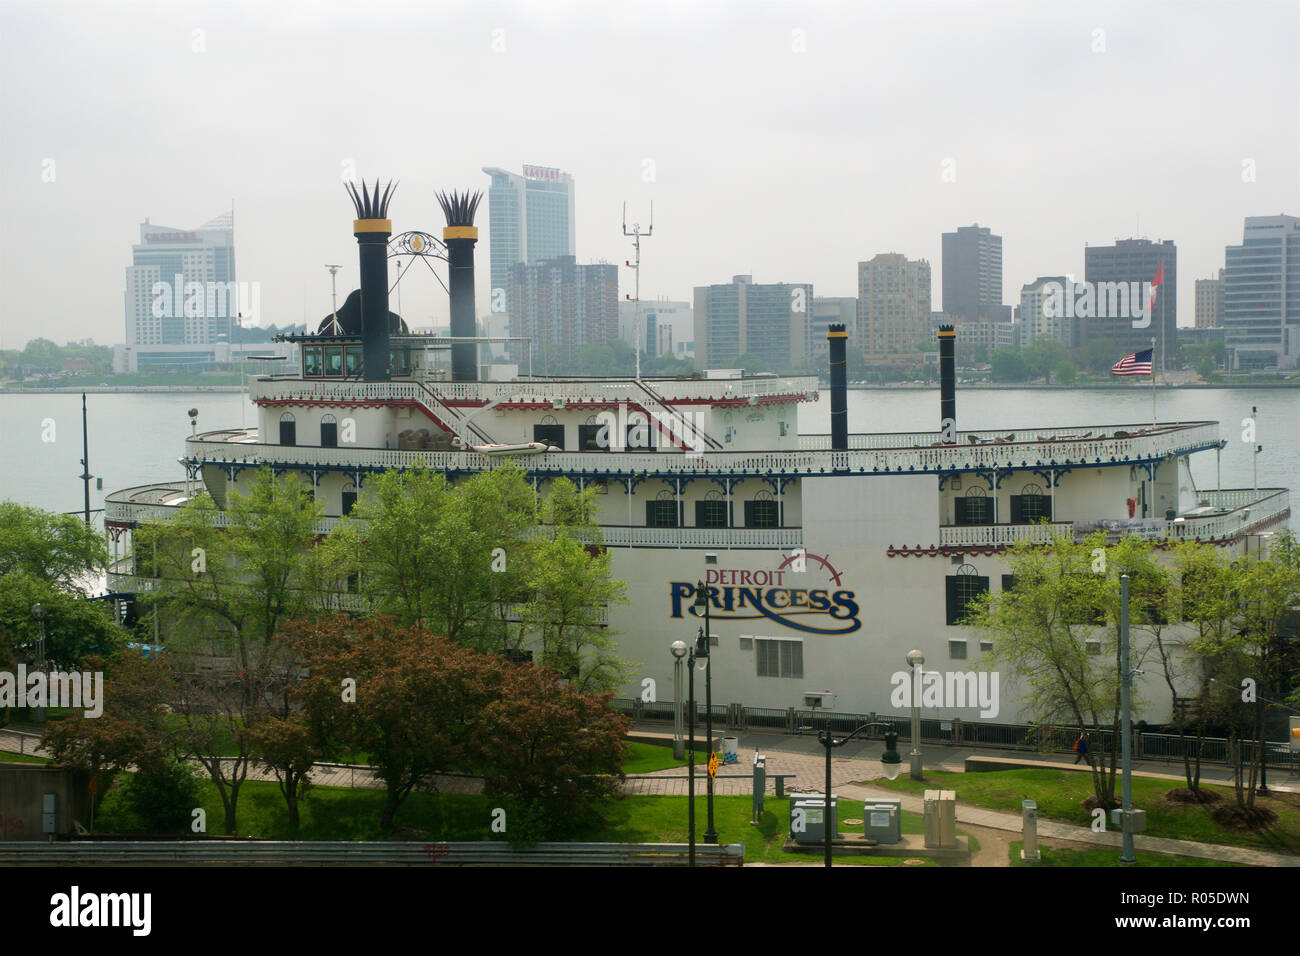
1167,748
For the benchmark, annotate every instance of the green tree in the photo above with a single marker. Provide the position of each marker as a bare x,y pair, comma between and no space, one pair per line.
61,549
225,582
1009,366
1205,369
1044,354
42,355
752,364
1066,373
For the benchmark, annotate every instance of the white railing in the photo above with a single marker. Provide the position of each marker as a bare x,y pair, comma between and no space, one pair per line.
1054,435
532,391
117,507
1171,441
623,536
1002,535
1259,510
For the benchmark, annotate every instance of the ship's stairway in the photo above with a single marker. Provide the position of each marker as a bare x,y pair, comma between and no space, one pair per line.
675,423
450,417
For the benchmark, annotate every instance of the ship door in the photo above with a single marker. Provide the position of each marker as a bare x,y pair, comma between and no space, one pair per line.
329,432
288,429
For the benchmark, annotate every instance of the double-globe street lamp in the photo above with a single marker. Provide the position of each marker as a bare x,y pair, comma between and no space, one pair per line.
690,655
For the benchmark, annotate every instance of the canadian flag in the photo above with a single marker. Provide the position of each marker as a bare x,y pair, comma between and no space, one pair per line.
1155,287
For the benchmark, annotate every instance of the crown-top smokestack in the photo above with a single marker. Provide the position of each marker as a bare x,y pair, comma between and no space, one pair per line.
460,236
372,229
837,340
948,384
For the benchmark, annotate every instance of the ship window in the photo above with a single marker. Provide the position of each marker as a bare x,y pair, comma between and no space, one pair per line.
972,508
962,589
288,429
957,650
351,362
311,360
329,432
663,512
712,512
779,658
333,360
1030,506
402,362
591,439
551,434
1008,583
349,501
762,513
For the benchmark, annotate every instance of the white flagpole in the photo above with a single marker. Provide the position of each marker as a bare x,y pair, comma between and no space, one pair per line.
1153,380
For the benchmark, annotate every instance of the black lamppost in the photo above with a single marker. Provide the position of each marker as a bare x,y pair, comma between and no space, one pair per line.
38,612
892,762
680,650
702,650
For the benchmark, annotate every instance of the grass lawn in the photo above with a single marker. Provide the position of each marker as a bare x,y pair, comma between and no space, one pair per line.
648,758
1106,856
1060,795
7,757
338,813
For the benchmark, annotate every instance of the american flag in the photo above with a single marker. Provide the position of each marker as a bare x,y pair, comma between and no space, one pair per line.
1135,363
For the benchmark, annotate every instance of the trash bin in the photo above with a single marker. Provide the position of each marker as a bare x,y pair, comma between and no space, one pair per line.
731,750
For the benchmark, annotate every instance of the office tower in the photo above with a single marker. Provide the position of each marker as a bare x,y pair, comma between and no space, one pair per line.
1261,293
972,275
530,219
893,303
769,322
181,295
563,307
664,316
1209,303
832,310
1039,311
1127,262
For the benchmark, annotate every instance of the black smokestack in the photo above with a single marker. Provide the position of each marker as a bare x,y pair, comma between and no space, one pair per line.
372,229
948,384
838,340
460,236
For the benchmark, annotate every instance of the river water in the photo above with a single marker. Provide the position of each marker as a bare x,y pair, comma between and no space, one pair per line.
136,437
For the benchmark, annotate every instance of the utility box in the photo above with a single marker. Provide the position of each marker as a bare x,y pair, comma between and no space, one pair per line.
883,821
940,818
49,814
1029,831
808,818
1137,820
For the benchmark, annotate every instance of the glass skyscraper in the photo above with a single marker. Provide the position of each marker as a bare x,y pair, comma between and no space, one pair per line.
1261,293
530,220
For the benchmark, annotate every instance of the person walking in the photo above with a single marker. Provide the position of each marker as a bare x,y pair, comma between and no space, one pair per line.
1081,748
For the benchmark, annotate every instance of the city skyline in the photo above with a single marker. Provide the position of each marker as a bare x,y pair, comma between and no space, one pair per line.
718,190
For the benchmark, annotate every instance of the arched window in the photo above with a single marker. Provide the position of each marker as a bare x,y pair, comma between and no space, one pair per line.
663,511
764,511
288,429
712,512
549,431
962,589
329,432
1031,505
973,507
349,497
589,436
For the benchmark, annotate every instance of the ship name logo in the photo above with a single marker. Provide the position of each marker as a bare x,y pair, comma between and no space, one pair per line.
782,595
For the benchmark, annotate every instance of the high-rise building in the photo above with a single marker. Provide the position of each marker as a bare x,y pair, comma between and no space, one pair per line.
563,307
972,275
1040,316
530,219
1209,303
1261,293
769,322
1131,261
658,317
181,294
893,303
828,310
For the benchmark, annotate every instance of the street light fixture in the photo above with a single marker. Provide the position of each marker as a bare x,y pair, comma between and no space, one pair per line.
38,612
915,659
679,651
702,643
890,761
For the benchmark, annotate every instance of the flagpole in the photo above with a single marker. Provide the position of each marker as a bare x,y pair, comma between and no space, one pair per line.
1153,381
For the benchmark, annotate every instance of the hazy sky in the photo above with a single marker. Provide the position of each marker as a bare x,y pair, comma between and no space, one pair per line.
785,140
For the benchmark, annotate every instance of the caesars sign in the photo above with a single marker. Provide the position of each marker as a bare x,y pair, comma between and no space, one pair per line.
805,600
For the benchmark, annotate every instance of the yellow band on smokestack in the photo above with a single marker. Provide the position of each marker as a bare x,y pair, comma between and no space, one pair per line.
372,225
837,335
460,232
948,335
